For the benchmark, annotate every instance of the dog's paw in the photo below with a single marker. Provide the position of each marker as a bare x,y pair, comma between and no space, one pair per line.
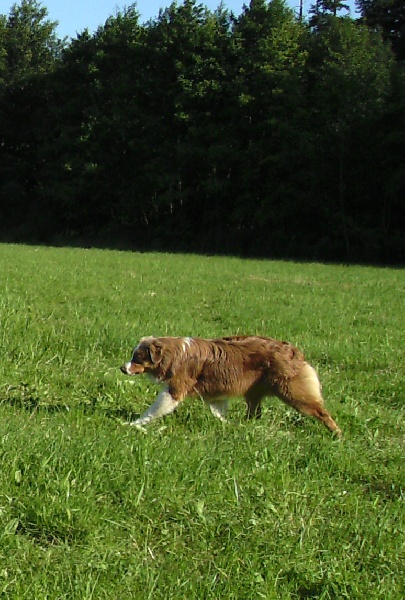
135,424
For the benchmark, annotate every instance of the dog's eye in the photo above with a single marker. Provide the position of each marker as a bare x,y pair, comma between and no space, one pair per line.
138,357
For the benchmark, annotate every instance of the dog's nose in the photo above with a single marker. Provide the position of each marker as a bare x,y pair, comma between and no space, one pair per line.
124,369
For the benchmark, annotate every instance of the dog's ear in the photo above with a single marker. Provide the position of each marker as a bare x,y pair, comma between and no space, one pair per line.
155,350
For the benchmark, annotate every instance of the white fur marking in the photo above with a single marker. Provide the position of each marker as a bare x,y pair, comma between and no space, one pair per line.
163,405
147,338
186,343
219,409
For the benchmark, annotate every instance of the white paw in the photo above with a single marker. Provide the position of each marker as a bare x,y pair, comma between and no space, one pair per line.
135,424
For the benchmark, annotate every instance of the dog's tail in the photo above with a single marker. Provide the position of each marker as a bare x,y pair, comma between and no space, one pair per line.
303,392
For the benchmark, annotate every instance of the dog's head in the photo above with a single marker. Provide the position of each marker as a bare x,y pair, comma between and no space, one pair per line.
146,357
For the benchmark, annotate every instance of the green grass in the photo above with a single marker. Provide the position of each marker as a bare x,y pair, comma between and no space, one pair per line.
274,509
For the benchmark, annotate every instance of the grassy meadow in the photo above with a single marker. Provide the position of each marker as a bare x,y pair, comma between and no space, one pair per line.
194,508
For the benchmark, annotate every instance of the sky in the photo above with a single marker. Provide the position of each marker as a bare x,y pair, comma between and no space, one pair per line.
75,15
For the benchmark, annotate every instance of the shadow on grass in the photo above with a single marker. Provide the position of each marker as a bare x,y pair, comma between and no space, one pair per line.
122,414
50,531
124,241
35,406
305,588
31,403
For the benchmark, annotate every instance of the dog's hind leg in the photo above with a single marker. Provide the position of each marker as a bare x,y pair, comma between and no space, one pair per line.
323,416
219,409
253,405
163,405
303,393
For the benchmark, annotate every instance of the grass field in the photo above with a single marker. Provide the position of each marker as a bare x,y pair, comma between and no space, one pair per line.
194,508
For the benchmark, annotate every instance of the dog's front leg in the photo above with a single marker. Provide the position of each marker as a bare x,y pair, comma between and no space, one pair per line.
163,405
219,409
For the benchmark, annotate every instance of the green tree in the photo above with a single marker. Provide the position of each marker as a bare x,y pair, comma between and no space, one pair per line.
194,45
389,15
269,85
30,42
323,10
349,83
91,157
391,181
3,52
29,50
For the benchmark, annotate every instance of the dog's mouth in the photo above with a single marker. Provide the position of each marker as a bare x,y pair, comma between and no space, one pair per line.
131,368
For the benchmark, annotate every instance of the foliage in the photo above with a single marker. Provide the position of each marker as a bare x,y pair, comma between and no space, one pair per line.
29,41
256,134
389,15
349,92
323,12
196,508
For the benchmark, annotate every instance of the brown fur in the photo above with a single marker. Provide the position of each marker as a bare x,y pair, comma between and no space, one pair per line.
249,366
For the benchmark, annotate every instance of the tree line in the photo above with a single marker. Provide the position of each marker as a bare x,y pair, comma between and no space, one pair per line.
261,134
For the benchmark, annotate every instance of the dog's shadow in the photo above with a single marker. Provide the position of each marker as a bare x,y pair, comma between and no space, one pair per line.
33,404
122,414
23,399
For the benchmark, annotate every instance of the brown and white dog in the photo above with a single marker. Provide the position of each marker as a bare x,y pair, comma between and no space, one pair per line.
215,369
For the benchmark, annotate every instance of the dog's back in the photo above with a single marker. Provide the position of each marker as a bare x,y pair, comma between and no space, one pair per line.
236,365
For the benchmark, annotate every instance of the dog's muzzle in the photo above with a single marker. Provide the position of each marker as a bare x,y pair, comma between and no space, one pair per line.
131,368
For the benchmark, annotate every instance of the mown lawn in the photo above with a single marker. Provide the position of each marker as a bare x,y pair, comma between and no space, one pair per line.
195,508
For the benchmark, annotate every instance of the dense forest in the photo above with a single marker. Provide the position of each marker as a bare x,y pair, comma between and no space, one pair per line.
267,133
